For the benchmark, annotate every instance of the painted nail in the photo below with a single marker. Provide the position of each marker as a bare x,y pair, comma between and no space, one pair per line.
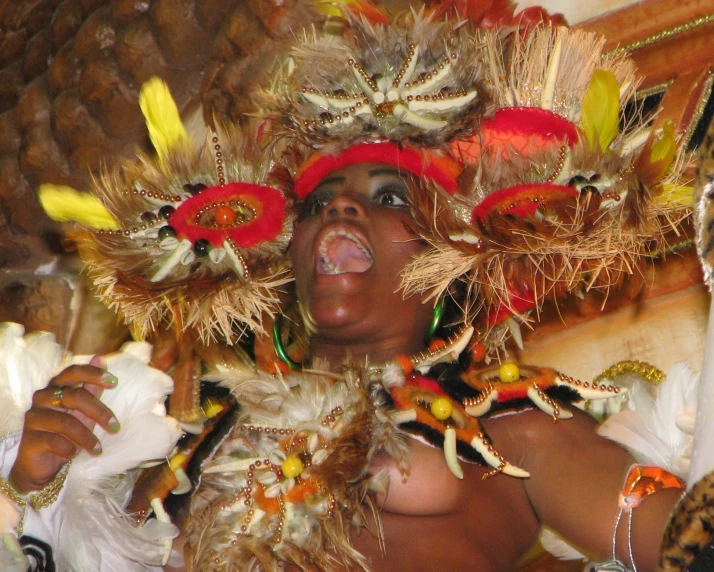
114,425
109,379
97,450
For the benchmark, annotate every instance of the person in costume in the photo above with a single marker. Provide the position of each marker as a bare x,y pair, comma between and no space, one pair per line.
424,161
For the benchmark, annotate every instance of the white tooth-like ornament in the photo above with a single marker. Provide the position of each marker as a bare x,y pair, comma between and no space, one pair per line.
406,416
230,466
286,485
188,258
313,442
159,510
169,243
515,329
482,407
425,123
273,491
162,516
237,259
277,457
449,353
179,249
184,483
267,478
320,456
452,460
495,462
152,233
217,255
547,407
465,237
327,103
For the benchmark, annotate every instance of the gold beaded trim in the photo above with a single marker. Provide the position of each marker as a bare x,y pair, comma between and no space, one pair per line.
696,118
43,498
641,368
664,34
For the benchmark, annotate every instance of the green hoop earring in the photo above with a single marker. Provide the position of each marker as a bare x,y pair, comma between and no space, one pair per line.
438,314
278,344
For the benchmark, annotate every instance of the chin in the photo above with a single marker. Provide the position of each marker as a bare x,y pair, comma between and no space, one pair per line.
337,318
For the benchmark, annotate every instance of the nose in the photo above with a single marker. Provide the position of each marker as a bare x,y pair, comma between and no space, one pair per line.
343,206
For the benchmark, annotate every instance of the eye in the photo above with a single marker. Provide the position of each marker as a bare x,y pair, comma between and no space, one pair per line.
392,196
314,203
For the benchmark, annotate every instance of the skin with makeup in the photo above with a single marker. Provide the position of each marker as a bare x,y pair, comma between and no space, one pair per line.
350,244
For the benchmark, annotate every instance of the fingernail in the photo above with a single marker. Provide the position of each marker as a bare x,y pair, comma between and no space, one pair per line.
97,450
114,425
109,379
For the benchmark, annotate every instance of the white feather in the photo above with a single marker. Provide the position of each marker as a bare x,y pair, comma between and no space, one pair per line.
26,365
558,546
651,426
97,487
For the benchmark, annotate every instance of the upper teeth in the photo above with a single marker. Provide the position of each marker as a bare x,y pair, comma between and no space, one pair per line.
325,259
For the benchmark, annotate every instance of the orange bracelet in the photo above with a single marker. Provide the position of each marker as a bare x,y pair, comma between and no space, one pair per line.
642,481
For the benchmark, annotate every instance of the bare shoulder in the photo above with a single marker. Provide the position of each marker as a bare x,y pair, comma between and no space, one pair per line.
525,437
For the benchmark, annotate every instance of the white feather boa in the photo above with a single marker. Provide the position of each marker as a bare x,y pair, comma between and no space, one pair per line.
87,527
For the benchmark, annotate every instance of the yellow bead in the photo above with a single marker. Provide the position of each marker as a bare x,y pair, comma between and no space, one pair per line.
441,408
509,372
292,467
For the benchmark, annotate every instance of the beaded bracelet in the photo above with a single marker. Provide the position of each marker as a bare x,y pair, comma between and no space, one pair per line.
43,498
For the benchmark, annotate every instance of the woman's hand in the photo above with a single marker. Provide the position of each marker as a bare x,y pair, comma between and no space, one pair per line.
60,422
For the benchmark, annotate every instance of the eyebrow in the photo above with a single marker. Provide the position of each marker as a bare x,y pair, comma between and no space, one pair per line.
331,180
377,172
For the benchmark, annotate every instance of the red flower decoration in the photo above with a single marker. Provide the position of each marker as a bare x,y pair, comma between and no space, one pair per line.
522,200
259,215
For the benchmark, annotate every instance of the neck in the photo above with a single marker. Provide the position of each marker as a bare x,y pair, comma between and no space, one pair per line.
335,351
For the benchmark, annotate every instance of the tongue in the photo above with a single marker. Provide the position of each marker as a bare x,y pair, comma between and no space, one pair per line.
345,256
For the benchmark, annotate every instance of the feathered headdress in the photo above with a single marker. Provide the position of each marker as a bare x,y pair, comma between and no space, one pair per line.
191,236
548,190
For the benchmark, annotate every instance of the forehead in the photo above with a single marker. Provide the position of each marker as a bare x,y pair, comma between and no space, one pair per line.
361,171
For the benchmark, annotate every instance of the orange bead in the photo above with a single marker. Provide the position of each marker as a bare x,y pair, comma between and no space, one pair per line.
224,215
436,344
406,363
478,352
281,367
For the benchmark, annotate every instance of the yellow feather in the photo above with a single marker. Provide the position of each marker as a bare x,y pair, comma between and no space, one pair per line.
676,194
601,109
330,8
162,117
665,149
64,204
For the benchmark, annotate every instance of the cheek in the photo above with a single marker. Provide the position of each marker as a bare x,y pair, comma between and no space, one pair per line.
403,244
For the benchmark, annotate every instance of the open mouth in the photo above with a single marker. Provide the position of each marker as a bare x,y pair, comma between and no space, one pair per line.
341,252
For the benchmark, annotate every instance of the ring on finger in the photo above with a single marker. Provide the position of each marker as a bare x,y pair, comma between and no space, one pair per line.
57,397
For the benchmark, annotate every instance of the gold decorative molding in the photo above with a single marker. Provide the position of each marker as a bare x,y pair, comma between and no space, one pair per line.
664,34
